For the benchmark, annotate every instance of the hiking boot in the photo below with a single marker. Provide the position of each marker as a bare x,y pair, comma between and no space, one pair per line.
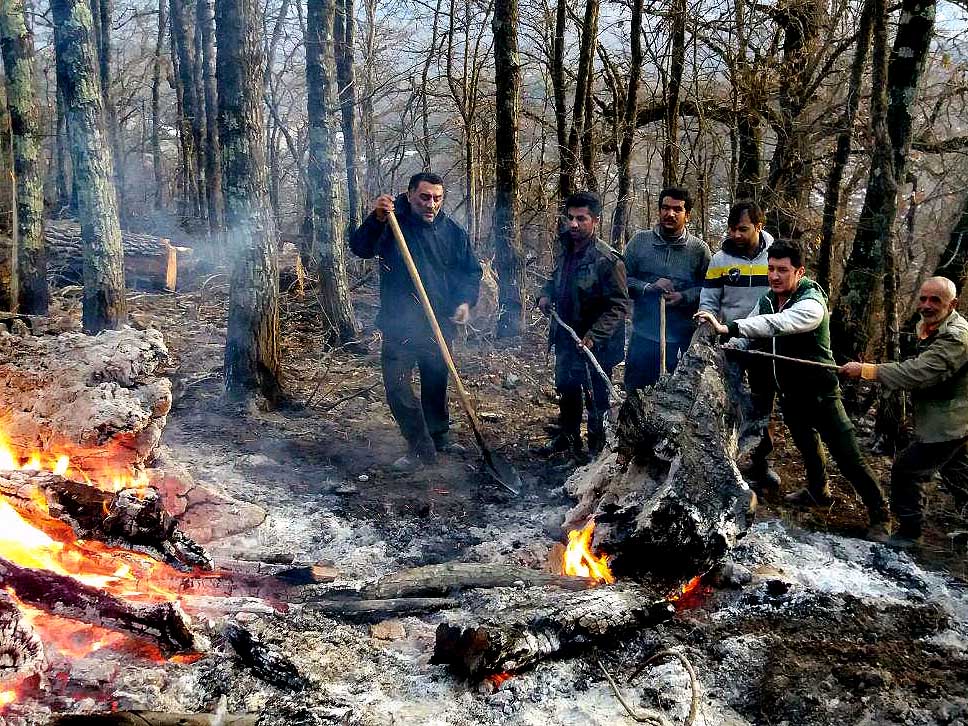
444,445
805,498
407,464
559,444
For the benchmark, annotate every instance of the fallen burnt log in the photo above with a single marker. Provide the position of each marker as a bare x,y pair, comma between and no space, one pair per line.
21,651
545,623
265,660
153,718
443,578
127,519
670,502
94,398
149,261
163,623
372,610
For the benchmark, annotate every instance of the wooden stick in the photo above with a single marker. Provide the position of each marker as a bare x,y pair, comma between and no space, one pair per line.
663,371
786,358
591,356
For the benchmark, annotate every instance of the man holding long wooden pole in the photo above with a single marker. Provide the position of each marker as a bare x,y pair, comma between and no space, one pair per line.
451,275
793,317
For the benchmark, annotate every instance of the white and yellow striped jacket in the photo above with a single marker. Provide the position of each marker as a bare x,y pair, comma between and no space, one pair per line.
734,283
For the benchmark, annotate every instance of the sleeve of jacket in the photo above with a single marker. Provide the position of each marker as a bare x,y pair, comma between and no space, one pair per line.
947,355
468,272
616,294
691,294
636,279
365,241
711,297
801,317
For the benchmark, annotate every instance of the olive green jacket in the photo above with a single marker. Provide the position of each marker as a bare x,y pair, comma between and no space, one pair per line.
938,379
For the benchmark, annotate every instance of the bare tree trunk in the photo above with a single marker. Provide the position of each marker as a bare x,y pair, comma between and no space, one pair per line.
507,232
328,242
213,169
831,203
954,260
252,363
670,150
373,179
566,179
432,52
62,174
156,160
17,47
345,31
623,206
586,60
103,11
183,47
104,304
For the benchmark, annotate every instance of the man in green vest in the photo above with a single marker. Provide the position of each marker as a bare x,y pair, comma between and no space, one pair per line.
938,379
793,318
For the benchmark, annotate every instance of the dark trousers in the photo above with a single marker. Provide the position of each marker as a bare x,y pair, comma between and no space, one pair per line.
427,420
762,399
575,379
914,467
812,420
642,361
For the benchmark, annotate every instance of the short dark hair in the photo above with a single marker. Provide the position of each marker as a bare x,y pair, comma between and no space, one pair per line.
747,206
785,248
584,199
424,176
679,193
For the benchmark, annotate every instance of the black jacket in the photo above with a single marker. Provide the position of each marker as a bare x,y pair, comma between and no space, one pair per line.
449,270
598,299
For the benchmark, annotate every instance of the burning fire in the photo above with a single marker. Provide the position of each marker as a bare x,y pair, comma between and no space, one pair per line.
579,559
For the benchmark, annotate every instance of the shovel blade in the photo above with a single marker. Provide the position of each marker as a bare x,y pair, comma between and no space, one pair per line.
502,472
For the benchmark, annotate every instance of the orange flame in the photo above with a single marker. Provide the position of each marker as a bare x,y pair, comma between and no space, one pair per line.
498,679
579,559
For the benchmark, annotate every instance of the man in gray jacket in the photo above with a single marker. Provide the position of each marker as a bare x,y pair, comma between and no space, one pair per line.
938,379
668,263
735,281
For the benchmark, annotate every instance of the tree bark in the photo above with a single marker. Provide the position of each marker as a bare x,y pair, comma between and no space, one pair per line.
156,74
831,204
506,224
954,260
104,304
670,150
345,31
103,15
213,169
192,115
65,198
252,346
557,73
623,205
17,47
583,86
328,241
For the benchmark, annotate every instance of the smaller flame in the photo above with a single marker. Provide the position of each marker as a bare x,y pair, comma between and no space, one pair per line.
579,559
498,679
7,697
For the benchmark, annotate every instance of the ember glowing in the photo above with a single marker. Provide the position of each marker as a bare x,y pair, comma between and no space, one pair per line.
579,559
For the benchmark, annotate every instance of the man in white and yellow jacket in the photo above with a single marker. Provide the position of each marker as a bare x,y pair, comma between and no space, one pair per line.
735,281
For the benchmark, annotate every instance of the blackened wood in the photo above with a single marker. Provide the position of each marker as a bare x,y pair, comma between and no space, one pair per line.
450,576
21,651
17,46
264,660
104,303
371,610
163,623
550,625
193,115
152,718
671,501
122,520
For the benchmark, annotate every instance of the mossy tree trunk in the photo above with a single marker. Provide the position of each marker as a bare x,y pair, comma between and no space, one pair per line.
327,219
77,70
252,364
17,47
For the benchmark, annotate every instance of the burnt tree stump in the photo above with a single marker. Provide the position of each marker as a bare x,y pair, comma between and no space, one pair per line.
21,651
670,501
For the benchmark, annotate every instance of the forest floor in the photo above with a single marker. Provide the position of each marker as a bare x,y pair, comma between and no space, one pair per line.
831,629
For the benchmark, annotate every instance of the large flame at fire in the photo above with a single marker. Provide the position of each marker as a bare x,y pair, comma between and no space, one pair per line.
579,560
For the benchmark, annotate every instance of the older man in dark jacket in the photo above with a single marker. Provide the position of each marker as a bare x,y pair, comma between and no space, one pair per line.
588,291
938,379
451,274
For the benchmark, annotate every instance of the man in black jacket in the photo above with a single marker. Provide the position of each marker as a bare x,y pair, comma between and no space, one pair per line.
451,274
589,292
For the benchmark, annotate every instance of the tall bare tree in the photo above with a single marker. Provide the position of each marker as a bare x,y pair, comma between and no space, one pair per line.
626,132
17,48
677,62
329,249
192,116
104,303
345,32
252,364
583,87
157,69
213,167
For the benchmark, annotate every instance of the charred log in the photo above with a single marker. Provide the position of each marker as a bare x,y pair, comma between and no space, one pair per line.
163,623
671,501
21,651
265,661
547,624
372,610
128,519
153,718
449,576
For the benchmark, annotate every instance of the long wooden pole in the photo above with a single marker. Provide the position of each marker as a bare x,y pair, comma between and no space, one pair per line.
786,358
663,371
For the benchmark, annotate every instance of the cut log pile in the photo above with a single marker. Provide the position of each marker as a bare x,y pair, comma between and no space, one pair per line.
149,261
670,501
97,399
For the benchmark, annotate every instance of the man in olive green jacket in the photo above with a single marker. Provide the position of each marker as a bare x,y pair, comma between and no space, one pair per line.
938,379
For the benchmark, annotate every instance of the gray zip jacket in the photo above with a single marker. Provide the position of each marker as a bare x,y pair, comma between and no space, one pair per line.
650,256
735,282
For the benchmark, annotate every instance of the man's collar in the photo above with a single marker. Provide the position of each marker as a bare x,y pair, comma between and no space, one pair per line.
926,331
